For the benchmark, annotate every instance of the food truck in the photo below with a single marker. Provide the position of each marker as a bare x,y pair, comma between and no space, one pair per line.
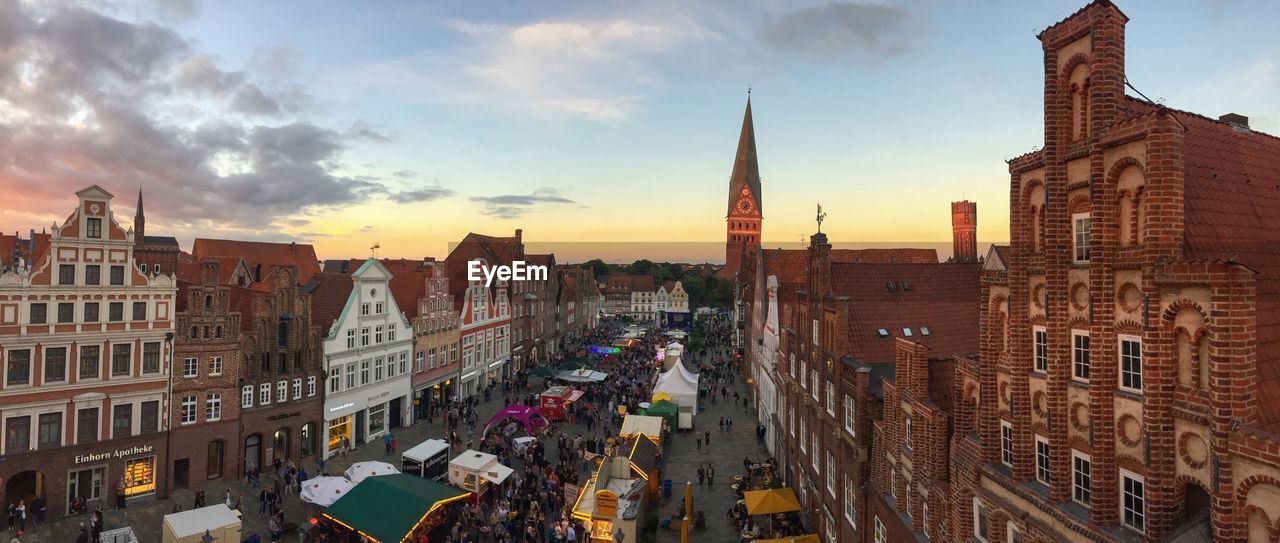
429,460
555,401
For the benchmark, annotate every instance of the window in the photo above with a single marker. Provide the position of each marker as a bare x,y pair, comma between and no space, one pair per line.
1014,534
364,337
67,274
151,357
246,396
91,312
213,460
297,389
804,374
831,398
364,372
190,367
831,473
848,502
910,431
979,520
364,309
90,361
308,439
893,481
404,362
115,311
377,334
117,275
1041,348
1006,443
188,409
849,414
814,377
881,535
1133,501
829,526
906,332
215,365
17,434
139,311
924,517
1080,355
419,357
66,313
38,314
351,338
87,425
351,376
1042,460
264,394
213,407
50,431
93,274
1081,482
282,391
18,368
791,423
55,364
391,332
120,359
377,369
377,308
311,386
121,420
150,419
924,330
1081,224
93,228
282,335
803,432
1131,363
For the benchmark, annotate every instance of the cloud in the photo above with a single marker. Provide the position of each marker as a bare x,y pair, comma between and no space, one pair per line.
837,29
558,69
176,10
421,194
509,206
89,99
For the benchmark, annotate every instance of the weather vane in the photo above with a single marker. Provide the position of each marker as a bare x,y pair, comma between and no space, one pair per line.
374,250
821,217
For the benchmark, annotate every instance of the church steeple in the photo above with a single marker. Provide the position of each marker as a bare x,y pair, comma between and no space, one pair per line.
139,221
746,171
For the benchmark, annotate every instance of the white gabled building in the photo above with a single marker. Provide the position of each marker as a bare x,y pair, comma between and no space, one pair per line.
367,348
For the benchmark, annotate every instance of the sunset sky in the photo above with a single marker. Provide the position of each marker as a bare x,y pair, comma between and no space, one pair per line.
412,123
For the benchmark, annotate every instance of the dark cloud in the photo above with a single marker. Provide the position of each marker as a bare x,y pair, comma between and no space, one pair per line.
127,105
423,194
836,29
508,206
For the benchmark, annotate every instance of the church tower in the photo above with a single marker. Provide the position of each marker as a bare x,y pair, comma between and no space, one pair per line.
745,214
139,222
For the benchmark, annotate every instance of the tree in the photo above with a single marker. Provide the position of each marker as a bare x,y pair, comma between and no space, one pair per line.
598,267
642,267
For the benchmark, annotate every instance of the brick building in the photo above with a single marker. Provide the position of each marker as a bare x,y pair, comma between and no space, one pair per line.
579,304
485,311
533,308
83,339
1129,334
154,255
964,231
435,345
207,362
835,359
744,214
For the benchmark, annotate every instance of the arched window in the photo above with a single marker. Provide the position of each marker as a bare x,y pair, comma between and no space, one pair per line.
1078,94
1130,205
208,301
217,332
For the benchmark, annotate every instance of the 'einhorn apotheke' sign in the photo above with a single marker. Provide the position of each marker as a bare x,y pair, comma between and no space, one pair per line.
121,453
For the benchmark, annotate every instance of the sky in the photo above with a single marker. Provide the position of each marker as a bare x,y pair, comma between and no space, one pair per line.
410,124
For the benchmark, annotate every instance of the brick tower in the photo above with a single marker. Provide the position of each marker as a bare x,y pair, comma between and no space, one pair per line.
744,214
964,227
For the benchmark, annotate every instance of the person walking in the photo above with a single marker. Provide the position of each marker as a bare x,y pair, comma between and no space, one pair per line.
702,475
711,474
386,442
262,503
707,435
120,502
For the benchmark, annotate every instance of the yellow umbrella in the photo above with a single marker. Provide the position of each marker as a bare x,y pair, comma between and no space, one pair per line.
661,396
768,502
806,538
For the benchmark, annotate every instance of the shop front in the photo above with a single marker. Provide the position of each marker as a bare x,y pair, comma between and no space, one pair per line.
366,414
86,476
432,393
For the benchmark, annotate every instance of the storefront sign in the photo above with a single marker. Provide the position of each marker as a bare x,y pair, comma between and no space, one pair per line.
341,407
121,453
284,415
379,396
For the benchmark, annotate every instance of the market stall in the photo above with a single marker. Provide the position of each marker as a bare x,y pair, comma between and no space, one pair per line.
583,375
664,409
648,426
218,521
475,471
429,459
323,491
406,505
360,471
555,401
681,388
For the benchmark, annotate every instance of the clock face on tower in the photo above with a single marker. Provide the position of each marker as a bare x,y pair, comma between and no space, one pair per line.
744,206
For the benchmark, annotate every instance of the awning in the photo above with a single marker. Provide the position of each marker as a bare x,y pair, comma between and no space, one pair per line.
498,363
498,473
573,396
468,375
768,502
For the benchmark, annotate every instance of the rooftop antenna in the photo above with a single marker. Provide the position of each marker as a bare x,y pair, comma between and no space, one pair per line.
374,250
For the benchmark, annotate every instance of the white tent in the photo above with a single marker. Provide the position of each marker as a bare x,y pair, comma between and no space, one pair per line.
683,393
323,491
474,471
218,520
584,375
359,471
641,424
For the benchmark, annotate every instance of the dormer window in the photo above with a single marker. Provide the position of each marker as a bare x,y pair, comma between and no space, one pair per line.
924,330
882,332
93,228
906,332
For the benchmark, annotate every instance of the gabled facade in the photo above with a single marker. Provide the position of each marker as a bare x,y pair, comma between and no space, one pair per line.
84,337
367,348
485,311
435,333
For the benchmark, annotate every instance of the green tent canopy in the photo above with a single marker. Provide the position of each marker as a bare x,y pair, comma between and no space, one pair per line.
544,372
572,365
402,501
666,410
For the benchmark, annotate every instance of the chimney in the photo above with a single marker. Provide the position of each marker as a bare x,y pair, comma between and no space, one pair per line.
293,247
1235,119
519,236
964,227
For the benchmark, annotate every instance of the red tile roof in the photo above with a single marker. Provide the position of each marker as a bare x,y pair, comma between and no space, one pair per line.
329,293
885,256
790,266
642,283
256,253
944,297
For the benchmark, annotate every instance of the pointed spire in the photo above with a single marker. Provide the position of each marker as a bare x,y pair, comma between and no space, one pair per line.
139,220
746,172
